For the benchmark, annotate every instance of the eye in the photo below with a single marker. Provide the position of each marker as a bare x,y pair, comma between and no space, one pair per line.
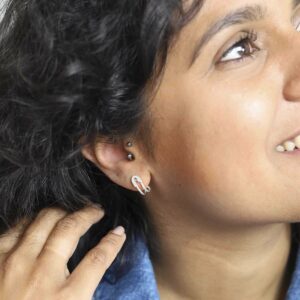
296,18
243,48
297,26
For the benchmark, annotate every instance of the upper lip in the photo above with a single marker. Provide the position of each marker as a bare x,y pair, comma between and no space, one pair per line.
291,137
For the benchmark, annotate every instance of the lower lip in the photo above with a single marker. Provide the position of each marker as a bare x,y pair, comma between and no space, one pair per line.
292,152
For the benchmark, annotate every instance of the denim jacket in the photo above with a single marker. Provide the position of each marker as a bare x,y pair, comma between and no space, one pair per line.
140,284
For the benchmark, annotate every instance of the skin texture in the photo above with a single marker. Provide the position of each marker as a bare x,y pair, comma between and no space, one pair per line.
35,255
222,198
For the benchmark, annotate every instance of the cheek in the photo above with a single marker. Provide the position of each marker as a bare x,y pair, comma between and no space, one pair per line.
217,130
230,153
213,142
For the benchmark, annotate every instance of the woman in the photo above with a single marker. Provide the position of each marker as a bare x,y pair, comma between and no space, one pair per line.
181,119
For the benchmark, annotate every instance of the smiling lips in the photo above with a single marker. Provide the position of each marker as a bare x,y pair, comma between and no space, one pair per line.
289,145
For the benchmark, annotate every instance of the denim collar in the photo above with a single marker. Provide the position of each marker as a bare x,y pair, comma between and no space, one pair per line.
139,282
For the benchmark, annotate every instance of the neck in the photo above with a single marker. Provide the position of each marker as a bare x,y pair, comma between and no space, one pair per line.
244,263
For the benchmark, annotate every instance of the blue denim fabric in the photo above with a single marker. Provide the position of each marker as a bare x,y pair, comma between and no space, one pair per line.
140,284
294,288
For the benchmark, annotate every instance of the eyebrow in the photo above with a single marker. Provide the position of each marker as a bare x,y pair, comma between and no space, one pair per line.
239,16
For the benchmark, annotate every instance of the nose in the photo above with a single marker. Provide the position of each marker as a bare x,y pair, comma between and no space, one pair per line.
292,89
292,83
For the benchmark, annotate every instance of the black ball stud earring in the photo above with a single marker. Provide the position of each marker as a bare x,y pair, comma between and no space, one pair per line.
130,155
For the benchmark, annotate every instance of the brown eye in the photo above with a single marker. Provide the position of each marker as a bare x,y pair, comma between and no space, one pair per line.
243,48
296,18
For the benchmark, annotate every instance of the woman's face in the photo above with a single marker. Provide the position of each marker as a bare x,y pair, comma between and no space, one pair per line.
218,120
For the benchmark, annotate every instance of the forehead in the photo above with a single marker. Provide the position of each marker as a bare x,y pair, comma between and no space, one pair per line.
213,9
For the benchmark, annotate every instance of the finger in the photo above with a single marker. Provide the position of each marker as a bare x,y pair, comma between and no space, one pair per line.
9,239
37,233
65,236
95,263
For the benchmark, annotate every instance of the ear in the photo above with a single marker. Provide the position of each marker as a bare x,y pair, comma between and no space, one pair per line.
112,159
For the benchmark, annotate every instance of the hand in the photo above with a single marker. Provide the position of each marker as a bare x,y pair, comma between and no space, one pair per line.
33,261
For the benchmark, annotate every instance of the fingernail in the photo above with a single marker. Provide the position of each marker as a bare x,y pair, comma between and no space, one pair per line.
119,230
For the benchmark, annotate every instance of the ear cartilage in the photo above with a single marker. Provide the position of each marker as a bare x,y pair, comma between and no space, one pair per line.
137,182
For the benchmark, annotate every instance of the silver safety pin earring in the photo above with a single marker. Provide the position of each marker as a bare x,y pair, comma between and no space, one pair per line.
137,182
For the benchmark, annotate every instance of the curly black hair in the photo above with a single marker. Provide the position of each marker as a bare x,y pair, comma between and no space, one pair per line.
72,71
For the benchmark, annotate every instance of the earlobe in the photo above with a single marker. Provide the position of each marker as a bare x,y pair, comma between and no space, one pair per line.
121,163
138,183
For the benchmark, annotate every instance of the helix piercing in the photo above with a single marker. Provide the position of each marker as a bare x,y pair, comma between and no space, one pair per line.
137,182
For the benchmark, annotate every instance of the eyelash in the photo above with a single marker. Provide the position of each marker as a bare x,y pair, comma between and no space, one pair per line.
247,38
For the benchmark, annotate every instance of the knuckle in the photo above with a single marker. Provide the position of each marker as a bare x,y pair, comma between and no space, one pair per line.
12,263
111,241
67,293
98,256
43,212
67,224
10,236
32,238
82,218
90,214
52,211
36,281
